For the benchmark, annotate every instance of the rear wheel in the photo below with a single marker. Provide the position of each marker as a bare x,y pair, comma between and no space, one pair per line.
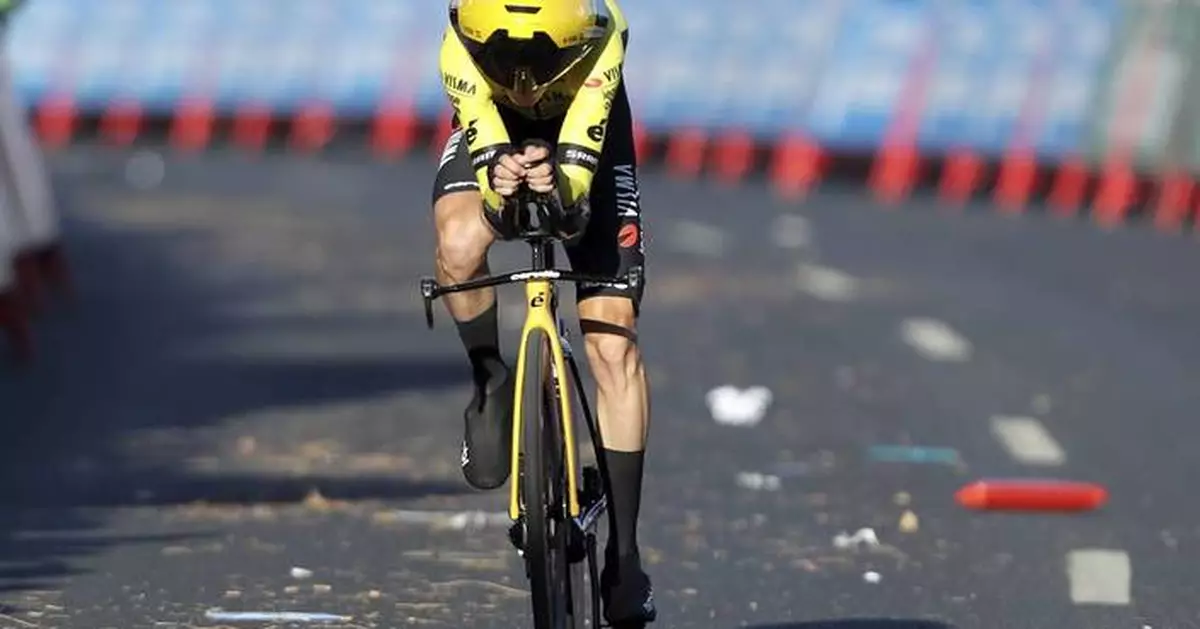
548,528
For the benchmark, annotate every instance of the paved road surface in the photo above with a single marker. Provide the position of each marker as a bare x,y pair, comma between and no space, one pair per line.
247,387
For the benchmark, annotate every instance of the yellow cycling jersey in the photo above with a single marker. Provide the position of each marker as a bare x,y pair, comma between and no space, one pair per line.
583,97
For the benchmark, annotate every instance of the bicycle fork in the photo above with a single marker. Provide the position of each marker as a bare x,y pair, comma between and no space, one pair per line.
592,499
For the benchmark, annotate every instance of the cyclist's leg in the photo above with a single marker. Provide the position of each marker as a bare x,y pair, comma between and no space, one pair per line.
463,240
611,246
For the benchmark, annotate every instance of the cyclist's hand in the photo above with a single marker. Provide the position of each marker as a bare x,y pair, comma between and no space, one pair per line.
541,178
507,174
540,175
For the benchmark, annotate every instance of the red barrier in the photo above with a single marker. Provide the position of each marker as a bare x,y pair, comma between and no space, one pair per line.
1174,200
641,142
252,126
1069,189
313,127
55,121
1019,166
733,156
898,162
192,126
395,130
895,171
1014,185
1132,111
1115,196
685,152
962,172
796,166
441,134
122,122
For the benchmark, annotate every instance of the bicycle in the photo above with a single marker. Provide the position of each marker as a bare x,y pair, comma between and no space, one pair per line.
555,505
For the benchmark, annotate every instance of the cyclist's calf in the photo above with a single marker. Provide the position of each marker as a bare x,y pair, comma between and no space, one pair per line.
608,324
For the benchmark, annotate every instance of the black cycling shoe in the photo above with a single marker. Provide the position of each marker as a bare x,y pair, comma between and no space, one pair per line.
487,440
627,594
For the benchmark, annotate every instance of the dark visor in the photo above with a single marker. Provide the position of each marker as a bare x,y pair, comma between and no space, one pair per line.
501,57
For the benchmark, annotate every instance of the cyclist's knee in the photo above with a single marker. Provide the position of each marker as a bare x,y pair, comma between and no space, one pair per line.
463,237
608,325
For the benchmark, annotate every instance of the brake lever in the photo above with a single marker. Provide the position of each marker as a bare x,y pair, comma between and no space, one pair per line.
429,287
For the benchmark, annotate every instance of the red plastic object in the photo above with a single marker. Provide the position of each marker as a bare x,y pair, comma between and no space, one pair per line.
192,128
122,122
1070,187
1014,185
733,156
961,173
1031,495
56,118
252,126
1118,184
894,172
395,130
441,134
1174,200
685,152
796,166
313,127
641,142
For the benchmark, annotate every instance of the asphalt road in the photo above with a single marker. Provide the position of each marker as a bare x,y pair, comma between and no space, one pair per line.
246,387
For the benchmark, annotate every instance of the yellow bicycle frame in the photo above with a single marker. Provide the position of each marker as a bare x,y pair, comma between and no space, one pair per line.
539,295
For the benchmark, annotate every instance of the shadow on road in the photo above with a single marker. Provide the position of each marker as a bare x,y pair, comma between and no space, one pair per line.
861,623
111,372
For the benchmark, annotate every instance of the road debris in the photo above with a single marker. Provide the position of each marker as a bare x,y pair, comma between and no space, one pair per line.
224,616
871,576
826,284
301,573
732,406
758,482
862,537
936,341
454,520
909,522
914,454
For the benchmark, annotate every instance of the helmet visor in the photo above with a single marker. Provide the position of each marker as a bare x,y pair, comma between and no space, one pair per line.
515,63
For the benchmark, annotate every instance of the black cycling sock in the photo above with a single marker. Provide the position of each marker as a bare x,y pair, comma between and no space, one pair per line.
625,478
481,338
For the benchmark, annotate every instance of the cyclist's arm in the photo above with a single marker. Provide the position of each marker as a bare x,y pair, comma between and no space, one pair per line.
469,94
582,135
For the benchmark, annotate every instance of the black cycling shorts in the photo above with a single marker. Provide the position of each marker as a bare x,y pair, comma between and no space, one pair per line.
612,243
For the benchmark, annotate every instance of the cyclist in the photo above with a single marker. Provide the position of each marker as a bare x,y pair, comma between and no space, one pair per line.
538,99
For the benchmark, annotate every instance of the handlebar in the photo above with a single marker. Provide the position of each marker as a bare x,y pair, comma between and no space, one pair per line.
431,290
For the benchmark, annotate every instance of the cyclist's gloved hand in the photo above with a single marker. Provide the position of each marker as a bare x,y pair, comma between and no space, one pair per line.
540,172
507,173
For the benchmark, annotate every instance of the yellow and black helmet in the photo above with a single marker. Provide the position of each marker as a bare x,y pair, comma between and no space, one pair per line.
525,45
